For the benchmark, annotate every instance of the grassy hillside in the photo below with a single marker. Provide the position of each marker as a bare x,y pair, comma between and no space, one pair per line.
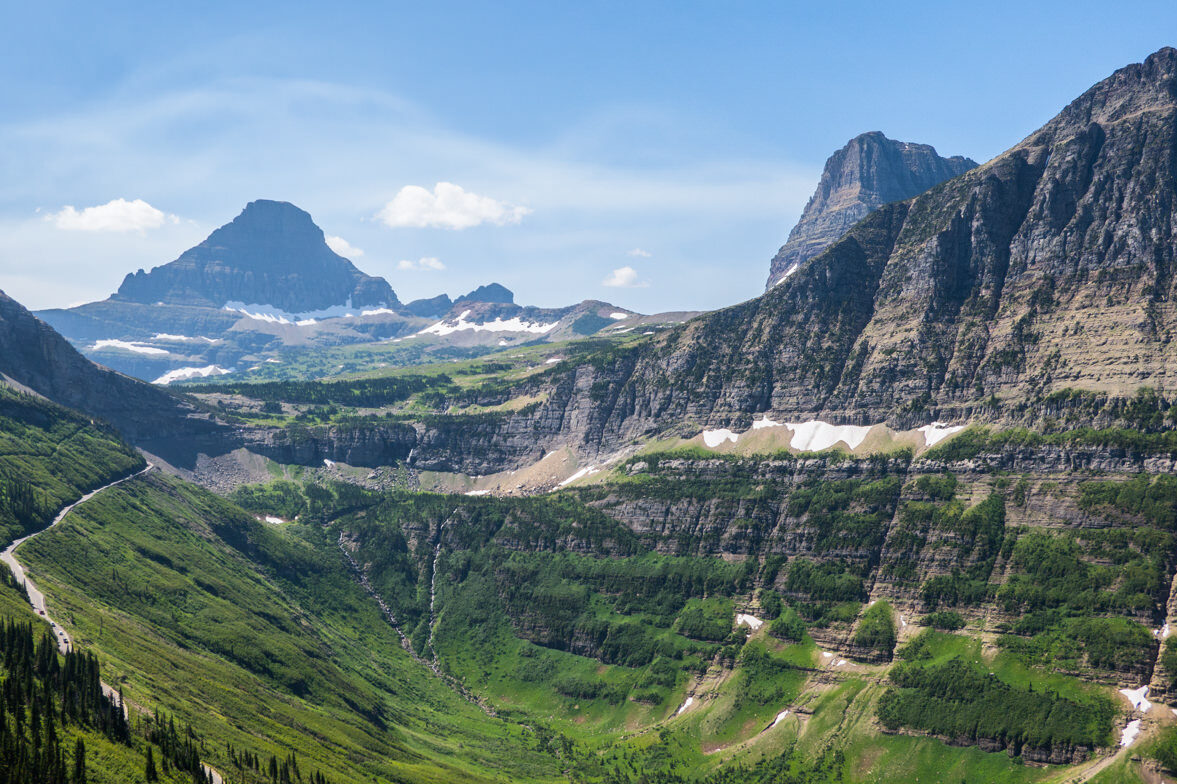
51,456
261,638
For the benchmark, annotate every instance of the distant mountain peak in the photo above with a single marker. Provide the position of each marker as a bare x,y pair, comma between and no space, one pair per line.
493,292
271,254
868,172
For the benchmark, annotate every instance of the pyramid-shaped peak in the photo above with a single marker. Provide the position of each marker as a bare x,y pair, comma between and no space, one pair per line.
272,254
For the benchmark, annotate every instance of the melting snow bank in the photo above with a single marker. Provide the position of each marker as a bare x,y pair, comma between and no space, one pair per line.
477,492
779,717
816,435
273,315
690,701
714,438
274,520
500,324
138,348
618,316
1138,698
586,471
183,338
938,431
185,373
751,621
788,272
1128,736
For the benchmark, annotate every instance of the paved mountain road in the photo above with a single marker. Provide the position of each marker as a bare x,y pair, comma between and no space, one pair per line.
37,597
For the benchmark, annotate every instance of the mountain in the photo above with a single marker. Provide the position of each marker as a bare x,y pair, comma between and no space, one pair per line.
266,286
271,254
870,171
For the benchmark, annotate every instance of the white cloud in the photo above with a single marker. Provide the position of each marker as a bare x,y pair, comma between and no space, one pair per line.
115,215
343,247
448,206
624,278
639,253
422,264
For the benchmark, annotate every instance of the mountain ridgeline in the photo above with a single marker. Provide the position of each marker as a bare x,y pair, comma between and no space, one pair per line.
870,171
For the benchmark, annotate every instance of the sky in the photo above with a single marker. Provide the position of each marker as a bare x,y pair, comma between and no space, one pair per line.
650,154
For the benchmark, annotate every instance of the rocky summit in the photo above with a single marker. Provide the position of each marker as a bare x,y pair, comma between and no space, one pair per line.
271,254
870,171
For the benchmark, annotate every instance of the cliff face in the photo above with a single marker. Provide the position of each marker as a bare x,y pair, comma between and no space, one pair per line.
271,254
870,171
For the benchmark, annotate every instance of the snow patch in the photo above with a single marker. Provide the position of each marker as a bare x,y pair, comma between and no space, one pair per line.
1138,698
779,718
138,348
751,621
788,272
274,520
690,701
185,373
274,315
500,324
183,338
1128,736
586,471
839,662
477,492
328,463
618,316
553,360
816,435
377,312
938,431
760,424
713,438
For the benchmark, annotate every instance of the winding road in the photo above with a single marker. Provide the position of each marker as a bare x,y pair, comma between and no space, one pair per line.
37,597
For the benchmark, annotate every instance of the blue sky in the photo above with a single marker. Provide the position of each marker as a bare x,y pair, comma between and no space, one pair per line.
678,140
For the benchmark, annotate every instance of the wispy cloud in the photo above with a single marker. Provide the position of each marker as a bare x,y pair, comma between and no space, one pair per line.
448,206
624,278
115,215
423,264
639,253
343,247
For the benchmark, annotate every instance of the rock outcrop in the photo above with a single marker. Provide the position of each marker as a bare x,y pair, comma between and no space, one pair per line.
870,171
271,254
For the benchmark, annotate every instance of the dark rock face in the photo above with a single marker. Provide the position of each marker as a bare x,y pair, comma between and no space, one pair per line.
493,292
270,254
1048,268
434,307
870,171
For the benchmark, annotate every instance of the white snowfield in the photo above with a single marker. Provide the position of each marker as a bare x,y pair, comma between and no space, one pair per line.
586,471
751,621
938,431
816,435
779,718
787,274
183,338
138,348
274,315
1130,733
689,702
713,438
477,492
185,373
618,316
514,324
1138,698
